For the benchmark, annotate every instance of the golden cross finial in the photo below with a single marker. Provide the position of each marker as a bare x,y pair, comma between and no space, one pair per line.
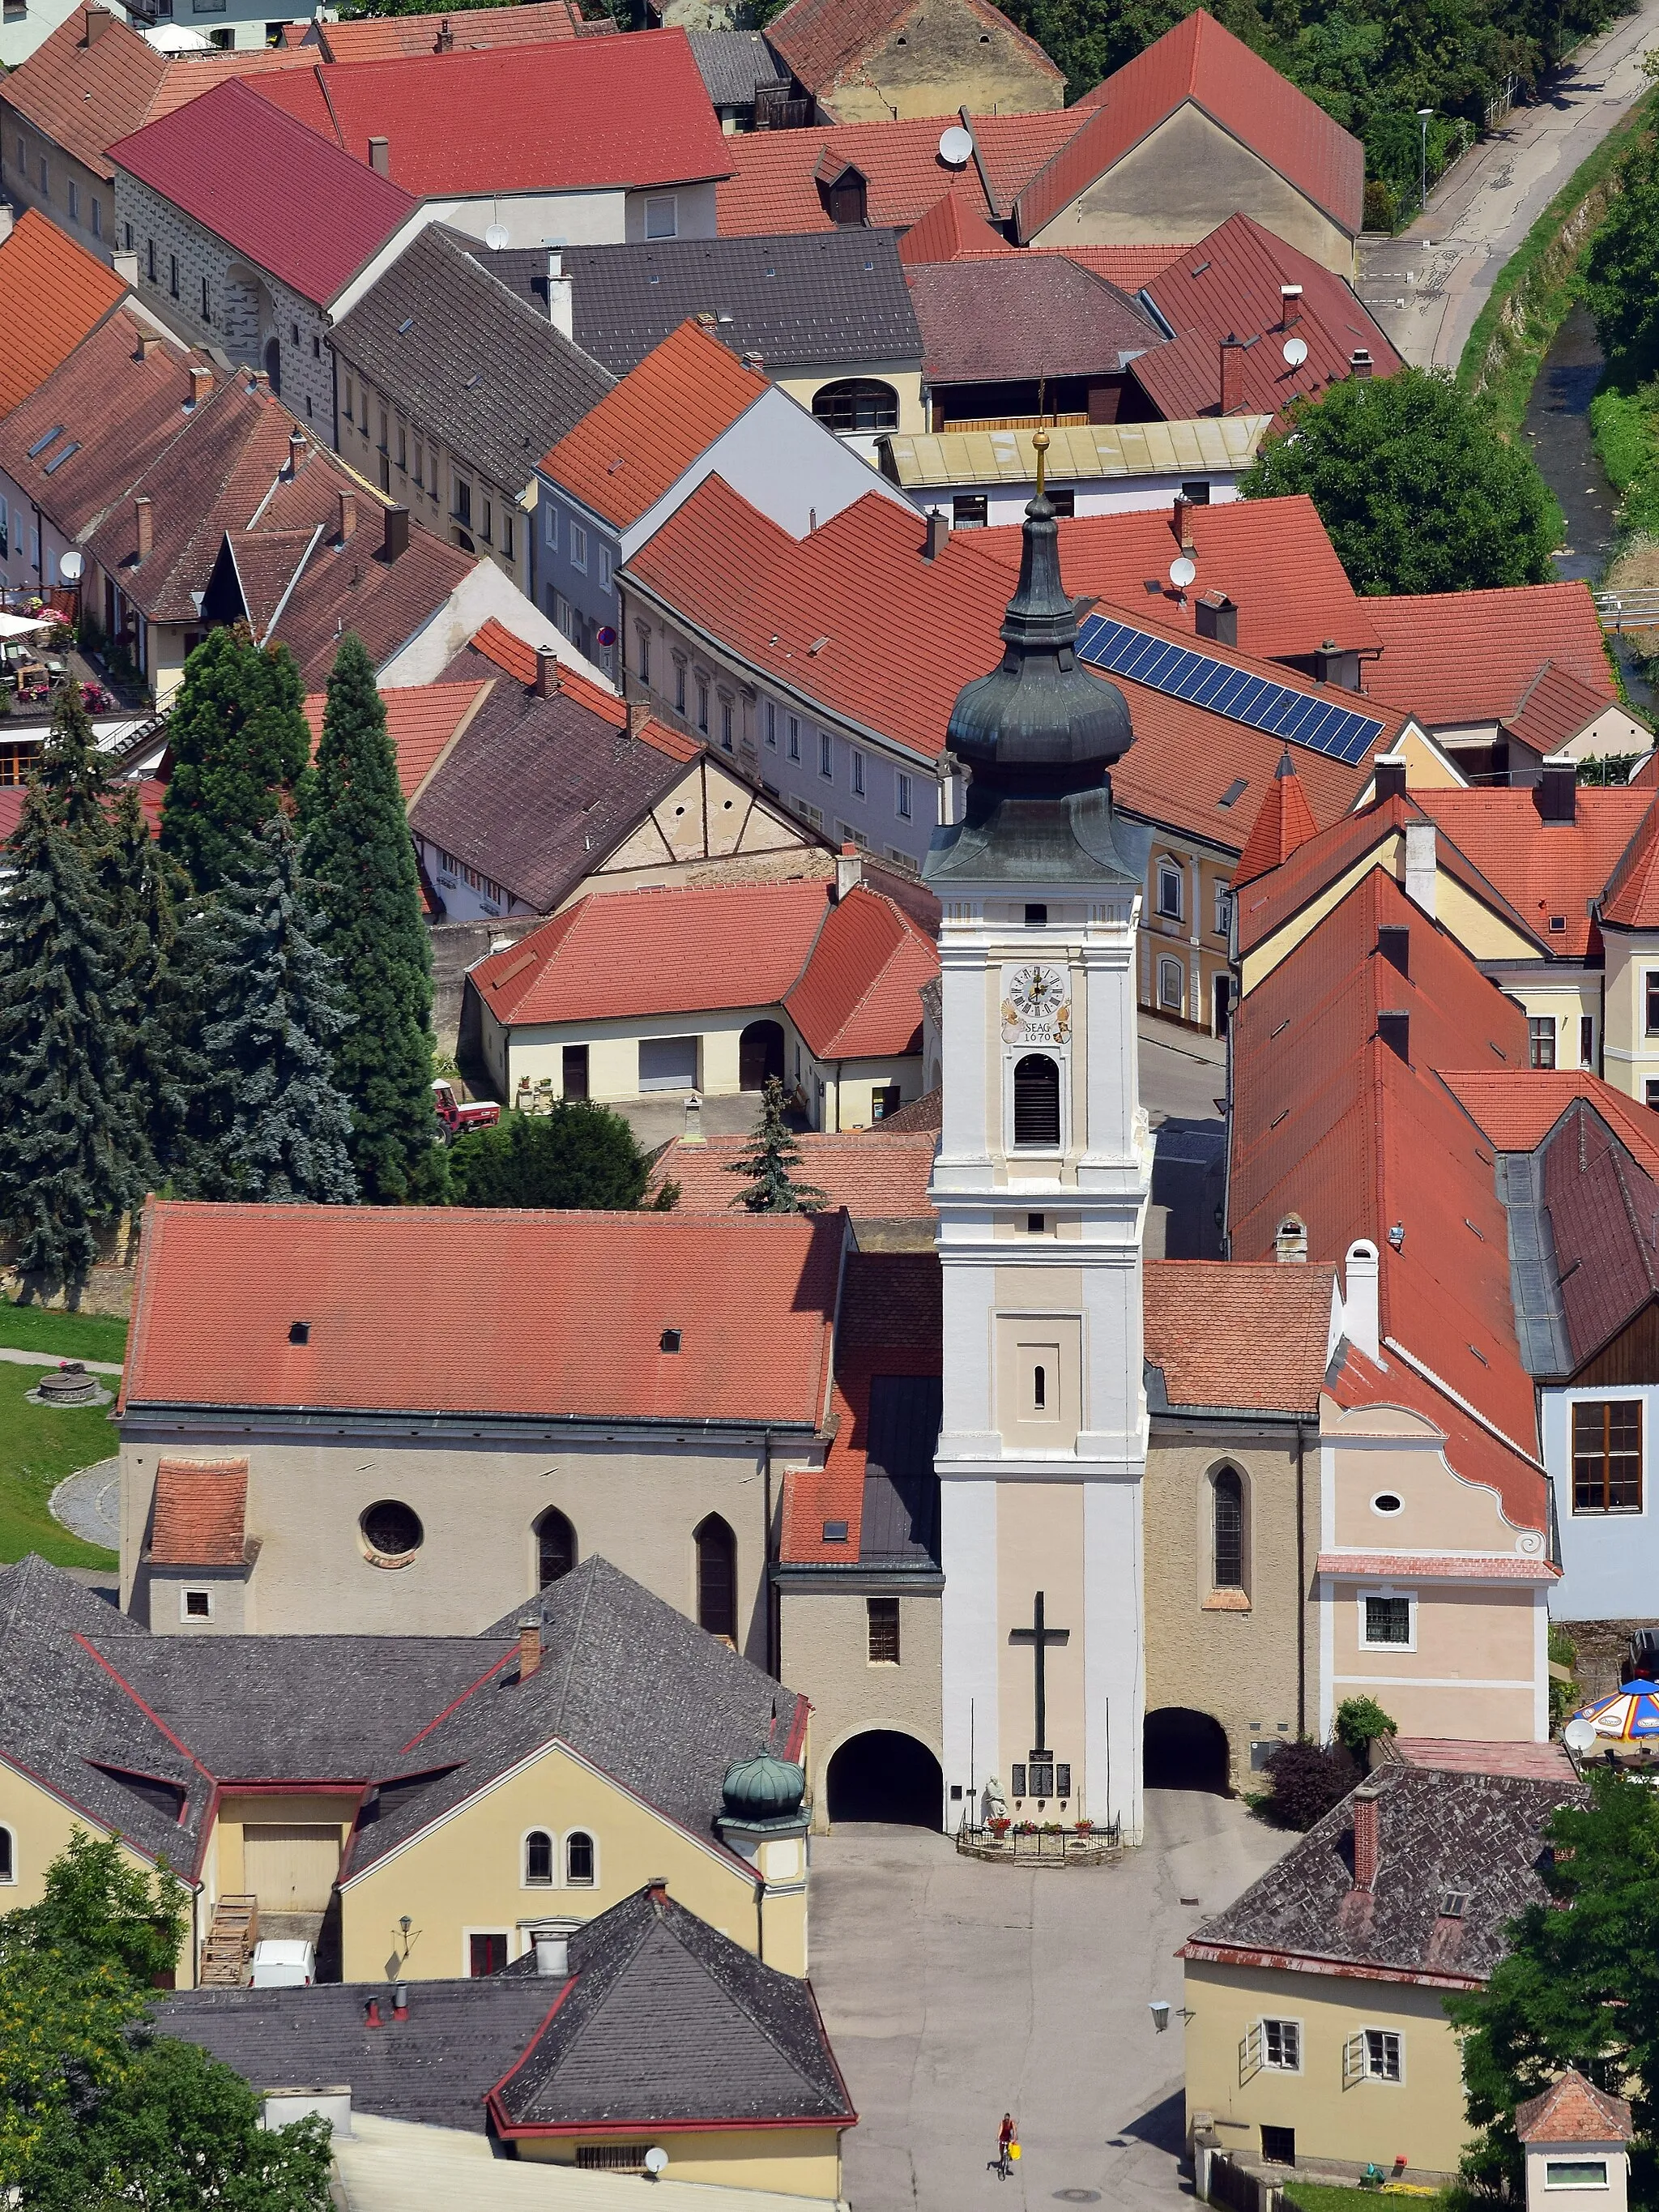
1040,443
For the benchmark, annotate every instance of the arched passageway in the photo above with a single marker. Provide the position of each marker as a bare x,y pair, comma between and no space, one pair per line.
760,1056
883,1775
1185,1750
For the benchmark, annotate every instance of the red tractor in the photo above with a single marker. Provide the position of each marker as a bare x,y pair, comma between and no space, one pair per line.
455,1118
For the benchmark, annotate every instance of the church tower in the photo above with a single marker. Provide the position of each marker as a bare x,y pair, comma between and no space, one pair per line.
1041,1184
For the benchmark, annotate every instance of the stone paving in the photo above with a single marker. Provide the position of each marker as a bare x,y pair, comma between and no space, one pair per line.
88,1504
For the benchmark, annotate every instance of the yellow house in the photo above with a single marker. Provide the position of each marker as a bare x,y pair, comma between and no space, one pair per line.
1316,2031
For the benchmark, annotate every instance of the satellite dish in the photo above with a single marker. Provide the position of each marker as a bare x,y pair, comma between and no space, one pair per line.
1296,351
497,236
1182,571
956,146
656,2160
1579,1734
71,566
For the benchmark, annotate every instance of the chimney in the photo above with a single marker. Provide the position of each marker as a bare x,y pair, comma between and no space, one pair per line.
639,714
1394,1028
1388,775
1366,1840
400,2000
530,1645
259,380
938,533
201,383
296,451
1216,616
553,1955
445,41
1290,306
379,156
546,683
97,22
1360,362
348,516
1420,865
849,869
396,542
756,362
561,297
1181,523
372,2013
693,1132
149,342
1393,942
1361,1323
144,517
658,1888
1232,367
126,265
1556,792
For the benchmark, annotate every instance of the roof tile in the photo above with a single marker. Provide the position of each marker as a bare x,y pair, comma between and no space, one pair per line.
1239,1333
420,720
200,1506
53,295
1015,317
1573,2110
822,41
876,1175
393,38
1466,656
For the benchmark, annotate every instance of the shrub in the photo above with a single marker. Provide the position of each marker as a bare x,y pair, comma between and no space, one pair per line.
1359,1722
578,1155
1305,1780
1382,210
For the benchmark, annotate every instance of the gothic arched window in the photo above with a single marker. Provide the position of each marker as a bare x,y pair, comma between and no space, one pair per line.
717,1578
556,1548
1227,1513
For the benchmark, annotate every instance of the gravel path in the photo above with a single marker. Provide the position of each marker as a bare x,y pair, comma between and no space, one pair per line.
55,1360
88,1504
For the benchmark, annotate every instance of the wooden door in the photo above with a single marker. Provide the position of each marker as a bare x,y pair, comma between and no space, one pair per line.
288,1867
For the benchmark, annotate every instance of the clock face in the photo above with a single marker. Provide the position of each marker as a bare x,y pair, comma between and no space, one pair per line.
1038,993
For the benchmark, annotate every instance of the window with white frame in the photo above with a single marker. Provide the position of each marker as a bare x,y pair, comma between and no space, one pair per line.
1171,986
580,1860
643,662
579,547
857,759
826,755
794,737
772,724
1574,2173
195,1605
679,686
1223,909
1168,891
1281,2046
1384,2054
703,706
550,528
725,724
8,1855
662,215
1387,1621
902,796
604,568
538,1860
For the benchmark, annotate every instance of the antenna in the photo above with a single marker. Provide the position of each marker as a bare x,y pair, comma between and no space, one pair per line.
956,146
1294,351
1182,571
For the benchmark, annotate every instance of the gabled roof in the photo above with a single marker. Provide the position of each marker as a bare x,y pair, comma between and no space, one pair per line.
293,205
797,302
540,1316
824,41
1573,2110
1018,317
859,997
644,435
1196,59
1555,707
1517,1108
733,64
1632,892
1284,822
570,115
83,96
1548,872
1481,1836
1272,558
1464,657
950,230
197,1519
1228,286
421,720
773,181
53,295
1604,1218
664,2021
876,1175
1238,1333
391,38
468,359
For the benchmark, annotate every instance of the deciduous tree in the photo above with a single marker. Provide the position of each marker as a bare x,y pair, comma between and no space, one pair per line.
1621,282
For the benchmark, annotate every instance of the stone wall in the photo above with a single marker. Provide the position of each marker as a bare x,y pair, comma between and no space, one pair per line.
456,946
940,58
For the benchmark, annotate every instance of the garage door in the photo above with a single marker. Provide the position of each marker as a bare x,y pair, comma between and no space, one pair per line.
668,1063
290,1869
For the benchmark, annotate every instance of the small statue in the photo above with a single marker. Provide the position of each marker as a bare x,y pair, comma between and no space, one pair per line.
995,1805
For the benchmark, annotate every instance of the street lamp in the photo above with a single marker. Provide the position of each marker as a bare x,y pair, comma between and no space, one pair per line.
1423,115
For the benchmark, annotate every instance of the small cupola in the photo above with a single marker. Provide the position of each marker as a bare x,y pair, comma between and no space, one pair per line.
763,1790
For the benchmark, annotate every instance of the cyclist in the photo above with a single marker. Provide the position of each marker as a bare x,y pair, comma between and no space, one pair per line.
1007,2137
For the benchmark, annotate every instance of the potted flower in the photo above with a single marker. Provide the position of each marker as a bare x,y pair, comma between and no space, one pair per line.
1084,1827
1026,1828
999,1827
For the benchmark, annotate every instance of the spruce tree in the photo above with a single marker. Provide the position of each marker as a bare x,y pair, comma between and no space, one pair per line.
143,893
70,1163
359,851
74,774
240,743
276,1128
772,1152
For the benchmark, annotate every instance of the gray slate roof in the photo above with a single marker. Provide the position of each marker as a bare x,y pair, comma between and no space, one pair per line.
478,364
824,299
669,2019
733,62
537,792
1480,1836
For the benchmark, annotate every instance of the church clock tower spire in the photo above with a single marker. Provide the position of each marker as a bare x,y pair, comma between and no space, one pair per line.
1041,1185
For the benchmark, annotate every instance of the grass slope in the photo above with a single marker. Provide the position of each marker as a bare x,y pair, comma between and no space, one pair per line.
38,1446
1329,2196
65,1335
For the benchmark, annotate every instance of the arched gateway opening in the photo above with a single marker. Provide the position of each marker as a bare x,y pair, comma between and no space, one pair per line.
884,1776
1185,1750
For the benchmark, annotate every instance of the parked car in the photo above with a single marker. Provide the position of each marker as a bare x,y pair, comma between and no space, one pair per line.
284,1965
475,1114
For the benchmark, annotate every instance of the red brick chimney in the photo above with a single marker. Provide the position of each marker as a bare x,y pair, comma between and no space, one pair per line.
445,41
97,22
348,515
201,383
1366,1841
144,519
546,683
296,451
1232,367
530,1645
657,1887
1181,523
639,714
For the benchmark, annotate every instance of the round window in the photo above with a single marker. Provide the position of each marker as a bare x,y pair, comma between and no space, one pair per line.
1385,1501
391,1531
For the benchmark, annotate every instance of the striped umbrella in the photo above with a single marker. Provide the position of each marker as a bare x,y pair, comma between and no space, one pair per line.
1628,1716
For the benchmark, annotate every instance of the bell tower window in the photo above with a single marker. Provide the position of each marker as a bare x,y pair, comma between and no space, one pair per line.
1037,1101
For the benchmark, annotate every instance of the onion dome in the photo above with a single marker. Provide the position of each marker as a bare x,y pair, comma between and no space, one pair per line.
764,1787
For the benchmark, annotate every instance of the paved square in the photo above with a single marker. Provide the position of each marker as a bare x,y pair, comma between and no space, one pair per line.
954,1991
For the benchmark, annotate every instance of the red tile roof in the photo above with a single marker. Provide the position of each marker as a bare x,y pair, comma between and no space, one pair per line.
391,38
293,203
53,295
1130,266
1632,893
1554,707
1285,822
1518,1108
1239,1333
648,429
772,186
570,115
1197,60
421,720
1273,557
1228,286
517,659
1018,316
200,1508
1331,1124
949,231
1454,658
83,97
876,1176
1458,1567
151,794
1548,872
1539,1762
822,40
1573,2110
546,1314
859,996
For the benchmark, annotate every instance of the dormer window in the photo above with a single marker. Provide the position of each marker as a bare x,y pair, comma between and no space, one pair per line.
845,197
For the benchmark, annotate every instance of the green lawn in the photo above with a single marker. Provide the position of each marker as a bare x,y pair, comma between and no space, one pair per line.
38,1446
1329,2197
69,1336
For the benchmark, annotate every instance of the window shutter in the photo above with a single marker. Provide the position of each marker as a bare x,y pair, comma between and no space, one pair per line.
1354,2061
1249,2053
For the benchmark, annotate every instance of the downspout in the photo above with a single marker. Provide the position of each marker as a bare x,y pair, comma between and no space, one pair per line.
1301,1586
774,1657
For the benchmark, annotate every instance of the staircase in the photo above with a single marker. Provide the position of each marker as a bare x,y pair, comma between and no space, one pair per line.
230,1942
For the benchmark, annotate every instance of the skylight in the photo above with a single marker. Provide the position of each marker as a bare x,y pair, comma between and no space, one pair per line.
40,444
58,459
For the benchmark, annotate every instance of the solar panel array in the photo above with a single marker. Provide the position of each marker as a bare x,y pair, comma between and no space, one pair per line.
1161,663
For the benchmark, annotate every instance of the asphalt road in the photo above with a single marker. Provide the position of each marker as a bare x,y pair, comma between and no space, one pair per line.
954,1991
1427,287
